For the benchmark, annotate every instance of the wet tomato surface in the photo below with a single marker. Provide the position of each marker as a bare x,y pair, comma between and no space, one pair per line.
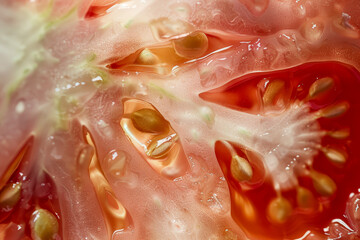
157,120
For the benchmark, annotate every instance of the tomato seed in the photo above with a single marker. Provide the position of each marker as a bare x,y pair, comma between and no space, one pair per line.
271,91
193,45
323,184
340,134
335,110
10,195
240,169
334,155
279,210
305,199
149,120
44,225
146,57
160,147
320,86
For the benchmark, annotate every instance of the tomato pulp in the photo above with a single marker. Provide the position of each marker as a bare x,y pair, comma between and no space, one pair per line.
152,119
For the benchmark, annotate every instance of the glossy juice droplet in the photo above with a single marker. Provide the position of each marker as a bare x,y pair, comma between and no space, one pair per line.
117,163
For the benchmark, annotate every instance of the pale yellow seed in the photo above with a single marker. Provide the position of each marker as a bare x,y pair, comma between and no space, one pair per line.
10,195
335,110
241,169
158,148
305,199
149,120
323,184
44,225
320,86
340,134
279,210
193,45
272,90
245,205
334,155
146,57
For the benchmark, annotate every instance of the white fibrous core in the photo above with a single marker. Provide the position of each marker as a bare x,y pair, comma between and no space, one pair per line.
288,143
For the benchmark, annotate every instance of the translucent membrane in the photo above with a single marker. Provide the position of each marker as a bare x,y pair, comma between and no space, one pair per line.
115,215
167,56
162,150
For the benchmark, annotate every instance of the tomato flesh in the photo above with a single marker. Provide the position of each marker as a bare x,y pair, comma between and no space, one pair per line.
244,94
91,89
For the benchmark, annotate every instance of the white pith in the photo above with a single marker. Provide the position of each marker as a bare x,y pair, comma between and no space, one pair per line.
288,143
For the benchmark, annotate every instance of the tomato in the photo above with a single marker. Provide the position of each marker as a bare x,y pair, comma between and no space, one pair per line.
179,119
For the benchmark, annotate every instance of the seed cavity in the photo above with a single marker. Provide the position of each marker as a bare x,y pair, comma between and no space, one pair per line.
146,57
159,147
44,225
10,195
335,110
279,210
14,165
320,86
149,120
241,169
305,199
115,215
192,46
271,92
335,155
323,184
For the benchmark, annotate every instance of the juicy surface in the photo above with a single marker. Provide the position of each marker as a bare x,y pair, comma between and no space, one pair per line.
54,80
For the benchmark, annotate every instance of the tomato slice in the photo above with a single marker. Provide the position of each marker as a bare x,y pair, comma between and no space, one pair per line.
308,142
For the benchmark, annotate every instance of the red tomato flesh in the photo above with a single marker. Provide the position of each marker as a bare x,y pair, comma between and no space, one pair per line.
244,94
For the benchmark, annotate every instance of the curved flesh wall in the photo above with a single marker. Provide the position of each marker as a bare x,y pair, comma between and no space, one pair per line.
261,113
